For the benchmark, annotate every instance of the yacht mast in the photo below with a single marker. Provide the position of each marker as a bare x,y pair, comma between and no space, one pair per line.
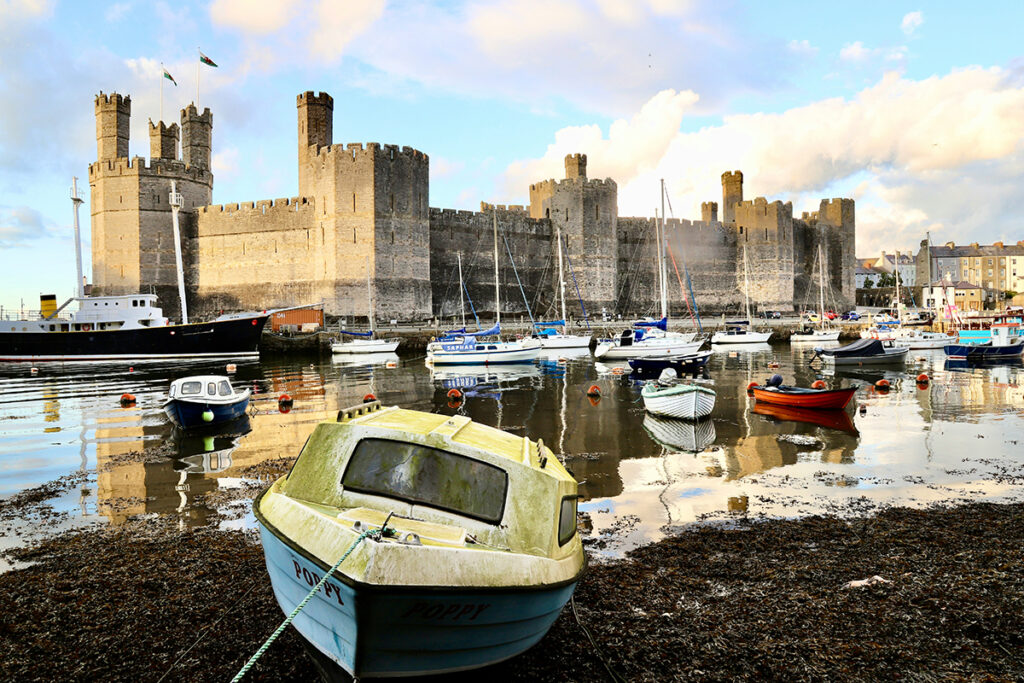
497,289
821,289
76,202
561,279
746,286
369,296
462,294
662,279
176,201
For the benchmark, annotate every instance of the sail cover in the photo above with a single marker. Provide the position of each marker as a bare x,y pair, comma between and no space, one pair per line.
861,347
486,333
357,334
553,323
661,324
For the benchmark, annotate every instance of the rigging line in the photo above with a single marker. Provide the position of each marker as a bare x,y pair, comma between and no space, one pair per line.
574,282
518,281
692,310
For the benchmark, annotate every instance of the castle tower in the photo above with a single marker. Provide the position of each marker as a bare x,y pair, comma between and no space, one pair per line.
316,130
196,134
709,212
113,113
132,239
587,211
576,166
163,140
732,194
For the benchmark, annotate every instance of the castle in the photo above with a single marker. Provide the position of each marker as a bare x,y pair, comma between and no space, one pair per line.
367,207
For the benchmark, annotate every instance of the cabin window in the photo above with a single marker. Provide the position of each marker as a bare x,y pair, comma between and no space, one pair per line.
421,474
135,303
224,388
492,347
567,520
53,328
211,389
191,388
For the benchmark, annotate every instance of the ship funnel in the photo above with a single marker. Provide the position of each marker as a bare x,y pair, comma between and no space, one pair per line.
47,305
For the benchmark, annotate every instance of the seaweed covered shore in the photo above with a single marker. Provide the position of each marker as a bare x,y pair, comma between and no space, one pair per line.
772,600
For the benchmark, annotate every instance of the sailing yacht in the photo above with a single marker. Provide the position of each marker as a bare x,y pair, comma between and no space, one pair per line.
465,349
821,333
365,341
739,332
650,339
549,337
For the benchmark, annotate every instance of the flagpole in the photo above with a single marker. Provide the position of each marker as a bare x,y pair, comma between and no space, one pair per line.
198,64
162,91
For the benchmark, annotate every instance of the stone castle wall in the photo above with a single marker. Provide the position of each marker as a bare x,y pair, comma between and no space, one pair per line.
364,209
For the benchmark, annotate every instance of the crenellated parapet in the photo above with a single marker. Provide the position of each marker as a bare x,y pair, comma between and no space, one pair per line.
113,116
837,212
370,151
163,140
196,136
502,208
140,166
709,212
266,215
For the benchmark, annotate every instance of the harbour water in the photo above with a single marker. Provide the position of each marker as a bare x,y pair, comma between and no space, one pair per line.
958,438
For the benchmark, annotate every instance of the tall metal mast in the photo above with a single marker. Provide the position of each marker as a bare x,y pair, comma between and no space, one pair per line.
561,279
497,288
662,277
76,201
462,294
176,201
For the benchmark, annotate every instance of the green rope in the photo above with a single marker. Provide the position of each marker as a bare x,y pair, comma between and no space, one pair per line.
273,636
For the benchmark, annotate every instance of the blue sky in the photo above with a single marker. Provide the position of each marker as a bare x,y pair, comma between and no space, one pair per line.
915,110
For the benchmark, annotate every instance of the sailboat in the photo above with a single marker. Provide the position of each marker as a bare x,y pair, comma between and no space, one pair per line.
652,338
820,333
365,342
465,349
549,337
738,331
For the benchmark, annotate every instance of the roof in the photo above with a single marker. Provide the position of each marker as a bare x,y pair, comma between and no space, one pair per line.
969,250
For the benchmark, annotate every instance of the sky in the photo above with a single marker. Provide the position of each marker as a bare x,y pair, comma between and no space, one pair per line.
915,110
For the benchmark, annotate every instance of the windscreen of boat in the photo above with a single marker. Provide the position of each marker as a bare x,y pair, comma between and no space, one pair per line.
429,476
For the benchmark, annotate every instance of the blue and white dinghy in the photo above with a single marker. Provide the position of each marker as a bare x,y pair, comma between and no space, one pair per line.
478,554
204,400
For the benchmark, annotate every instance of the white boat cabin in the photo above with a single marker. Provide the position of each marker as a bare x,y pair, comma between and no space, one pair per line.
1006,334
202,388
97,313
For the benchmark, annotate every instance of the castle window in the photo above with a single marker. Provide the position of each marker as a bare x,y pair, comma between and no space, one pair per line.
567,214
353,235
392,194
741,229
353,202
597,212
547,213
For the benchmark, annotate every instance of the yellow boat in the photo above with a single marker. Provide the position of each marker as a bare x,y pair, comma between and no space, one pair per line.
479,556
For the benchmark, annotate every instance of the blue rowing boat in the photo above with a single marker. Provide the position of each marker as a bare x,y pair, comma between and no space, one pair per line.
204,400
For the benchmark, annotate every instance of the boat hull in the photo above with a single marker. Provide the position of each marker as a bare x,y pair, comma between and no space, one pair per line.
686,401
238,337
564,341
818,399
815,337
389,631
656,347
480,355
888,358
683,365
366,346
189,414
982,352
742,338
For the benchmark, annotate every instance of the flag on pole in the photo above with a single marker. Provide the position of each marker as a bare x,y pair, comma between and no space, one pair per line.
206,60
169,77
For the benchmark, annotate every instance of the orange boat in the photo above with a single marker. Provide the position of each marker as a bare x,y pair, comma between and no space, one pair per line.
829,419
800,397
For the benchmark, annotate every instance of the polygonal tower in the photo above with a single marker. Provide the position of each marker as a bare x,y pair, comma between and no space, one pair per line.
732,194
196,141
316,130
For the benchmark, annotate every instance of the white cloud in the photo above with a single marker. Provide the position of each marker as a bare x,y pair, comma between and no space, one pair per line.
338,23
943,153
854,52
258,17
802,48
224,164
25,9
911,22
21,224
117,11
442,168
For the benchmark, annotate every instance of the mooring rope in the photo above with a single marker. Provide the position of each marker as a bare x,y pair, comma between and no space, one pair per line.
295,612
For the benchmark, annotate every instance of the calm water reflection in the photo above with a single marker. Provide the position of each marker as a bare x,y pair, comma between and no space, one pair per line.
641,476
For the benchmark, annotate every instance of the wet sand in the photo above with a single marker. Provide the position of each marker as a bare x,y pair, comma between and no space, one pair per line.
764,600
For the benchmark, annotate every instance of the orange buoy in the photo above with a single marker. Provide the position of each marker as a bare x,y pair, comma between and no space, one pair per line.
922,378
454,393
368,398
127,399
33,371
750,387
231,367
594,391
618,371
882,385
284,408
773,364
284,400
131,369
391,364
818,384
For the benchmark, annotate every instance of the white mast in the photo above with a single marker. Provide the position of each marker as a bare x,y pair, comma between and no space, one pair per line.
462,294
821,289
746,286
369,295
76,201
561,279
662,279
897,273
175,201
497,289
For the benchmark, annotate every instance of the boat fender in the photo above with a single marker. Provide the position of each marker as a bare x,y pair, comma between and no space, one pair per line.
594,391
922,379
207,415
369,398
127,400
882,385
618,371
231,367
818,384
751,386
131,369
454,393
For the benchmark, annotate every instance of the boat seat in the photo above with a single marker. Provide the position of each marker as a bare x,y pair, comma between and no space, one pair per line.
438,533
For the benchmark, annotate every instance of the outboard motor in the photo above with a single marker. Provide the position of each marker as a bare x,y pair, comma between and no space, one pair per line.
774,381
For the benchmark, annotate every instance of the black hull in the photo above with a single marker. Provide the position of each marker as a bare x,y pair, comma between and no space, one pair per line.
235,337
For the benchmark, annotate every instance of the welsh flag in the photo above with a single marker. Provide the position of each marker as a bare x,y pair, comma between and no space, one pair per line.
169,77
206,60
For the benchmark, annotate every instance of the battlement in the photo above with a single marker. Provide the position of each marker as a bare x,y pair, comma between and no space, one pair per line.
308,97
113,100
732,177
355,151
191,113
139,166
551,184
762,206
262,206
838,211
575,166
502,208
709,212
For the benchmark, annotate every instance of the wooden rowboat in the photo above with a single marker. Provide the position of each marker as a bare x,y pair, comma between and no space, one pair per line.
801,397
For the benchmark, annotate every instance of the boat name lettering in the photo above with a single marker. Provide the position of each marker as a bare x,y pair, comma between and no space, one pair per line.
312,579
440,611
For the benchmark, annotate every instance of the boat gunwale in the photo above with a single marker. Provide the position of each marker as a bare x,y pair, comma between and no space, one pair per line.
408,588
